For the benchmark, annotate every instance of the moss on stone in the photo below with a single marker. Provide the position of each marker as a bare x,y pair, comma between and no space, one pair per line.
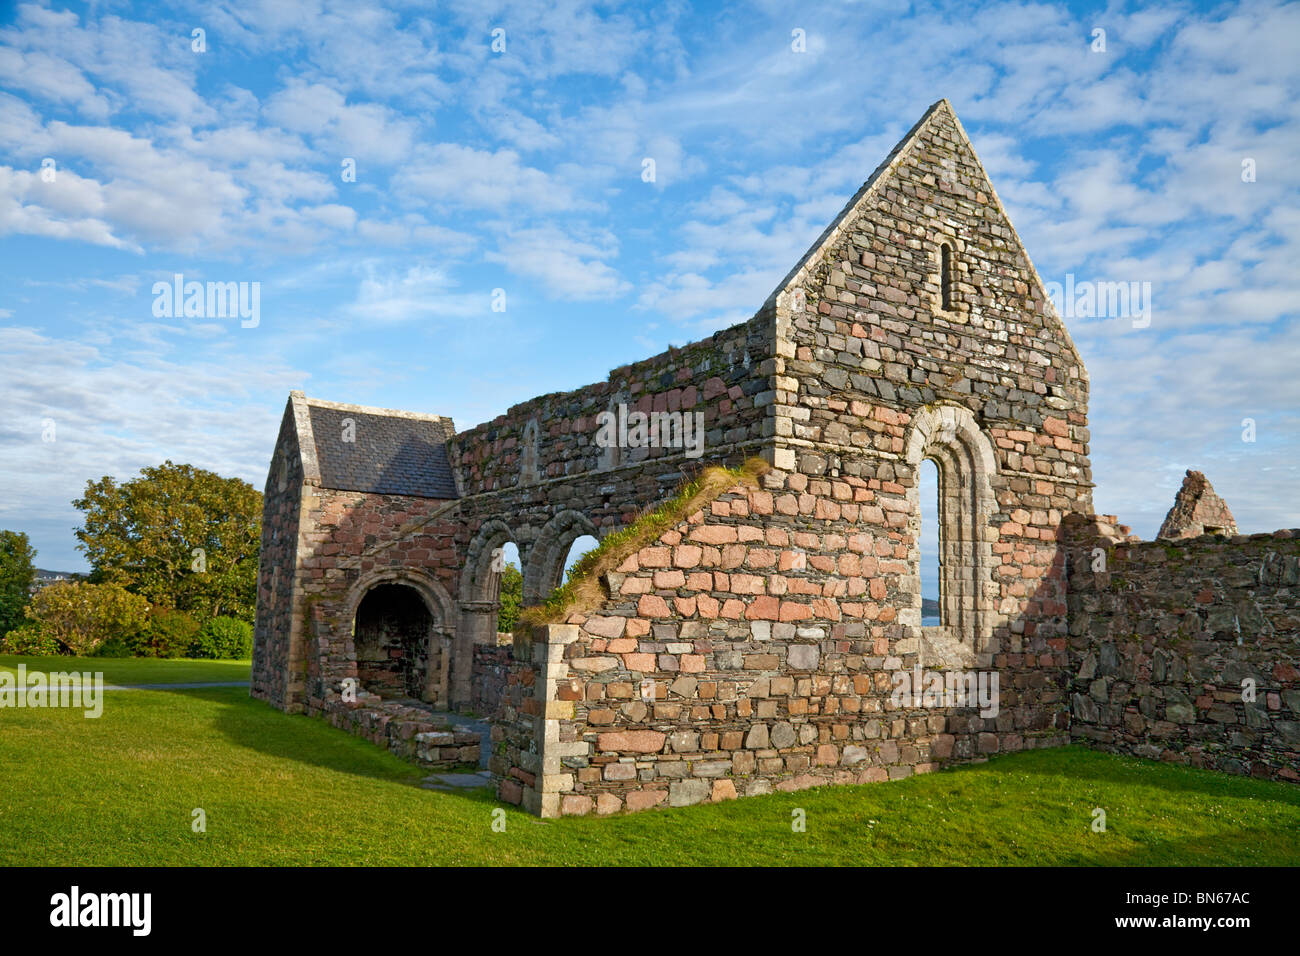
582,590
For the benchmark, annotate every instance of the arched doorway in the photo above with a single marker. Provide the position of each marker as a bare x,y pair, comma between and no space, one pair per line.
392,636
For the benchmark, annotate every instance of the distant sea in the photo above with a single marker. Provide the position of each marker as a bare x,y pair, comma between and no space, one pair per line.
930,612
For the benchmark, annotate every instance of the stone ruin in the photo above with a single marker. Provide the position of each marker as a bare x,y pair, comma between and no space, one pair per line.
1197,510
767,635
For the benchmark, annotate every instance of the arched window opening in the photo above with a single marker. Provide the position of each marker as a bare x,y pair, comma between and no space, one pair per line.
931,545
579,547
507,587
952,503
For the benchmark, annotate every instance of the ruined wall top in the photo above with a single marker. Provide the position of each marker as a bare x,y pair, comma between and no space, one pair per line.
1197,510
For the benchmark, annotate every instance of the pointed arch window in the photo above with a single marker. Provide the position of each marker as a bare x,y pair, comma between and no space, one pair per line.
953,536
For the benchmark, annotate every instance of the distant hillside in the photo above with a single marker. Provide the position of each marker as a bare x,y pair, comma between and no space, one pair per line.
929,607
45,576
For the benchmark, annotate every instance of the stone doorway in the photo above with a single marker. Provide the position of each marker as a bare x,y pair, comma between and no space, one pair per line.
393,635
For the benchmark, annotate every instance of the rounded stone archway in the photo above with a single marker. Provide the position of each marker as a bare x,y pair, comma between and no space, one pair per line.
480,585
546,559
950,436
401,635
391,635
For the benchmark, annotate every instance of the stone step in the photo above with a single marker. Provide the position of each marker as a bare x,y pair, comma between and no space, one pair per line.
453,782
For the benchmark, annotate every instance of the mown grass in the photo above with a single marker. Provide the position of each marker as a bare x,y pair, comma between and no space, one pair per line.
134,670
290,790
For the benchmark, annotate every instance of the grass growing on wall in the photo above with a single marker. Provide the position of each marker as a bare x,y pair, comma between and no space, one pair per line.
582,591
286,790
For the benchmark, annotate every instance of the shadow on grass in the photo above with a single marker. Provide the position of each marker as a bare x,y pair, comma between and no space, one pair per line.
1199,850
1087,765
297,738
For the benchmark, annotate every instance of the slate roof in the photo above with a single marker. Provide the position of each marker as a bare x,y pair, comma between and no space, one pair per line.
393,454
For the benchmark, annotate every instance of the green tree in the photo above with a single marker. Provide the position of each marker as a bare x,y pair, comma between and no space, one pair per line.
81,616
180,536
511,598
16,576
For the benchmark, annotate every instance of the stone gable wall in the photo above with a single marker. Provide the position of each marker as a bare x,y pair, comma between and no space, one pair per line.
1162,638
277,569
866,352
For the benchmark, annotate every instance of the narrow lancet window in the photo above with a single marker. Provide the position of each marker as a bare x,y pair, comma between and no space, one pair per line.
945,277
931,545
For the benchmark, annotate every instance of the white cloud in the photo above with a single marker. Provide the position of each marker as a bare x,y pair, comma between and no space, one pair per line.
568,268
116,408
455,175
363,131
30,206
421,293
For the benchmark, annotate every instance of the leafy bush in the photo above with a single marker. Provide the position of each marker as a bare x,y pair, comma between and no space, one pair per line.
30,639
224,638
80,616
168,634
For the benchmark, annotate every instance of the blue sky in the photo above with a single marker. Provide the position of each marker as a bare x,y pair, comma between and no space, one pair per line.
522,170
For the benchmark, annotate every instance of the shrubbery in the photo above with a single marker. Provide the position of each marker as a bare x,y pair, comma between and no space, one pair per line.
115,647
169,633
224,638
31,640
104,620
78,617
510,597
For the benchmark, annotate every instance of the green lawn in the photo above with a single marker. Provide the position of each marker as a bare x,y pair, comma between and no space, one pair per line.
281,789
135,670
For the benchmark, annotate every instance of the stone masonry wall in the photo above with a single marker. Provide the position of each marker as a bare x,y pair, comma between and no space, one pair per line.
764,627
865,348
491,674
277,566
357,536
726,376
1162,639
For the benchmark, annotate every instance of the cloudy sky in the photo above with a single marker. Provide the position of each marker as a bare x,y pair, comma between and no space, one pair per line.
133,149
